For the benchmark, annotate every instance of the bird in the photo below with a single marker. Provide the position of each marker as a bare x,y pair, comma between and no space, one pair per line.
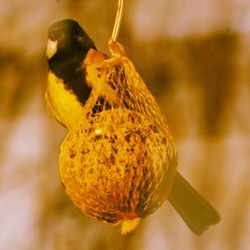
118,161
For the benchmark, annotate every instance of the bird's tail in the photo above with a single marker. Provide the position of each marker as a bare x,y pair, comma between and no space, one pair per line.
197,213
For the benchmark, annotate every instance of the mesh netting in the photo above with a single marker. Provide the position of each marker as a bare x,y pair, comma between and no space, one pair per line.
119,162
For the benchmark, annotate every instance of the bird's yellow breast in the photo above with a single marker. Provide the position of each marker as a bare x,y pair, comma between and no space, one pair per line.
62,103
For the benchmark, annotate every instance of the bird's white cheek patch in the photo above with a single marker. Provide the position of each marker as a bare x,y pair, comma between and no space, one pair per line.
51,48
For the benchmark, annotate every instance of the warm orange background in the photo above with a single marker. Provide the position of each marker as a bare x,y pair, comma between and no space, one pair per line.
195,58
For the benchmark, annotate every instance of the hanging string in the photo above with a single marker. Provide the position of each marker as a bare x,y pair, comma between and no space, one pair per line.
117,20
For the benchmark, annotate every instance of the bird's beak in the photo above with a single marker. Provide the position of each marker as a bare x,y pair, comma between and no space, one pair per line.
51,48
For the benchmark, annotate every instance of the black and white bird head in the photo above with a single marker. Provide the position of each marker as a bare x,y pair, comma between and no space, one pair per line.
66,37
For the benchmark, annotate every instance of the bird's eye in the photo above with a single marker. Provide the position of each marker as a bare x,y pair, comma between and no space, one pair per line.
52,36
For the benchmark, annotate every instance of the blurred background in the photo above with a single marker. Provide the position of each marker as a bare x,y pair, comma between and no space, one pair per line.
194,56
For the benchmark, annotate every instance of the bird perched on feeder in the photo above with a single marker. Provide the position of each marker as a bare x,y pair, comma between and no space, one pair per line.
118,160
